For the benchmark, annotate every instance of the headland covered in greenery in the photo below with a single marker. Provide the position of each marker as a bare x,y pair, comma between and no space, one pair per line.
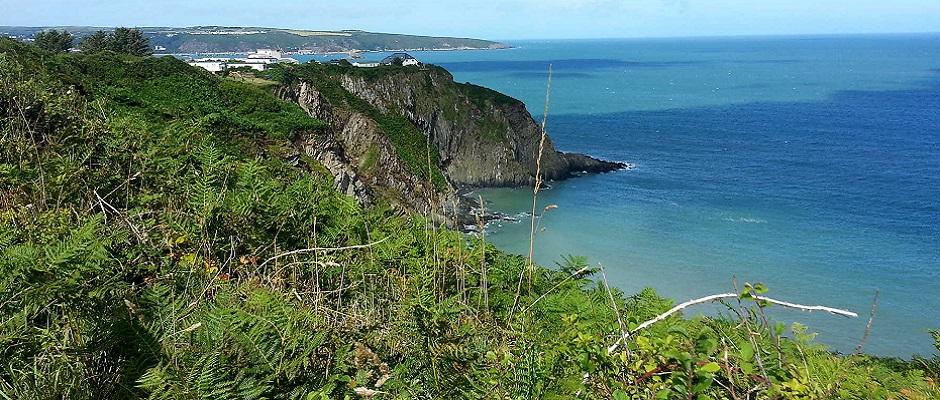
162,236
227,39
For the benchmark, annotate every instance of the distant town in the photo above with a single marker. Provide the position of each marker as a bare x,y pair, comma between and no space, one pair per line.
262,59
259,61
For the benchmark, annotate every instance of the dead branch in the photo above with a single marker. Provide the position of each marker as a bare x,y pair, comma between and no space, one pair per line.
871,320
716,297
103,203
624,335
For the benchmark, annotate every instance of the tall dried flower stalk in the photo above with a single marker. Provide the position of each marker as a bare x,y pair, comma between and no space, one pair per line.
530,264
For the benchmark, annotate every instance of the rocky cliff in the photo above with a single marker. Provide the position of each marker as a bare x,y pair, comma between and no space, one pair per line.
484,138
396,128
364,161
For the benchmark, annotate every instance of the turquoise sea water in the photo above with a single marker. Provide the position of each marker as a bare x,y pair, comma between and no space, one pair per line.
811,164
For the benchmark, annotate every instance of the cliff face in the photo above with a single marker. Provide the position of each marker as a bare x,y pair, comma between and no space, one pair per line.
474,136
362,159
484,138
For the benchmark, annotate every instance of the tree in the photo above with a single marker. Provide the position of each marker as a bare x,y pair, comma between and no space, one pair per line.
122,40
97,42
53,40
130,41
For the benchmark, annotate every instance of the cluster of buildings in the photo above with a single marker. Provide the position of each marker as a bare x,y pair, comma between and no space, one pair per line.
259,60
263,58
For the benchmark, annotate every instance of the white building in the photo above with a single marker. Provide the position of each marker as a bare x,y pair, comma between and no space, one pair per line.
265,53
209,64
259,61
403,59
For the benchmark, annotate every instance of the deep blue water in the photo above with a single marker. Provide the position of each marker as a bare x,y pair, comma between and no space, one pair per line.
809,163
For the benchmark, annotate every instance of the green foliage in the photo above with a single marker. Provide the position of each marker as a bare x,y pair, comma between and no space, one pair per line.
53,40
482,96
161,238
96,42
121,40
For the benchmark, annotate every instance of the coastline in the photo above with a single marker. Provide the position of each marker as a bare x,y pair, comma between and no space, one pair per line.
471,212
307,53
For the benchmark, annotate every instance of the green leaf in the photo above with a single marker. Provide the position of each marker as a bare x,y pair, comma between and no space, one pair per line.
679,330
747,367
760,288
710,368
702,386
747,351
780,328
673,354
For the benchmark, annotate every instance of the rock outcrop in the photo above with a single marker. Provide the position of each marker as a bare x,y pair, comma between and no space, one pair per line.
484,138
363,161
480,138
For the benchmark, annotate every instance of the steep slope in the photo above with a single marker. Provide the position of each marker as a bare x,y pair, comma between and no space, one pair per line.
422,126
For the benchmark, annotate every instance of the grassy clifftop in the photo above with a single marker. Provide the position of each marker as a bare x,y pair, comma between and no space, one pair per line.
161,237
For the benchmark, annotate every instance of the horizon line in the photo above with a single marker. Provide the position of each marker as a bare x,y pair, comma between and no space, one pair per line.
575,38
729,36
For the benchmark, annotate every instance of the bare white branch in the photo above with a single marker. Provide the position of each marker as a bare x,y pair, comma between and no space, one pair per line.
716,297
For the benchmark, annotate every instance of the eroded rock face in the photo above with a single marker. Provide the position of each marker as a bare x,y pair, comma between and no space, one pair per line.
484,139
363,161
482,143
331,154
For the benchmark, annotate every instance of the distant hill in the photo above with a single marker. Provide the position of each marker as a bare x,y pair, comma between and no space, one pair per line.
217,39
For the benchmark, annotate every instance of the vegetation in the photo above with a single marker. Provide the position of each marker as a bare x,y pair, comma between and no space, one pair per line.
161,238
191,40
53,40
121,40
211,39
480,95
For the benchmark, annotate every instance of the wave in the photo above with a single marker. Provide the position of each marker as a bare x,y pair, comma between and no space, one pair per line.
746,220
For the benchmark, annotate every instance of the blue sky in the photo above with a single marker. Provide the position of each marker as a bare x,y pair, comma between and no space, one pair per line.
500,19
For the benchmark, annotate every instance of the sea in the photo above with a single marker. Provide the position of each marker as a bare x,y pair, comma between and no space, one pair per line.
808,163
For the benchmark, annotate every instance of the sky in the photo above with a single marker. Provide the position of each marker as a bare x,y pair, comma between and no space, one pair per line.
500,19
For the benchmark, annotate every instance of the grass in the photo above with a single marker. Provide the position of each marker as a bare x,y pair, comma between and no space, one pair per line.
370,160
482,96
251,79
